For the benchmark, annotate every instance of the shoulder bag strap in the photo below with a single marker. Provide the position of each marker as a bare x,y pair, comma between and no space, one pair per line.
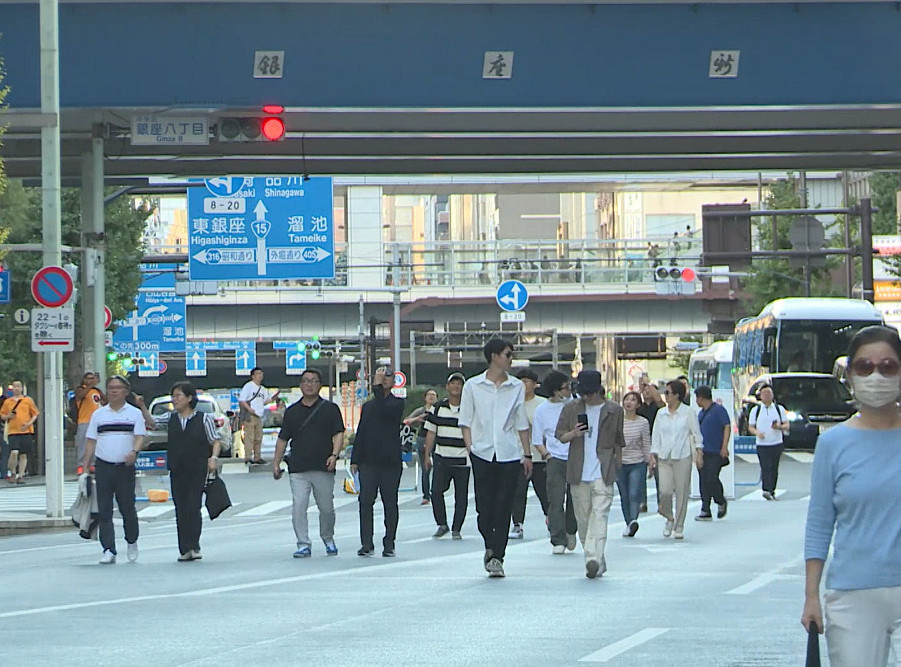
310,416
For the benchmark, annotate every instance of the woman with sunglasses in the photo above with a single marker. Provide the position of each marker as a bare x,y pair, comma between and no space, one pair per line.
675,442
854,493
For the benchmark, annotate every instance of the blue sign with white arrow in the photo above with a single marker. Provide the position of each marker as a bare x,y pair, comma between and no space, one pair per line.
270,227
512,295
5,292
295,362
158,324
245,359
195,362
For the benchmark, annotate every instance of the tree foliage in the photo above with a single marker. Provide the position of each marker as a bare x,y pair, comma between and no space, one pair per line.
883,192
20,221
772,279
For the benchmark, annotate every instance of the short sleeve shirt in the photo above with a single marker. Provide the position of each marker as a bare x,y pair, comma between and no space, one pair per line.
712,422
256,395
311,445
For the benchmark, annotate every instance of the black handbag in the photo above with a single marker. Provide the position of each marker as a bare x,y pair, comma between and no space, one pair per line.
217,500
813,646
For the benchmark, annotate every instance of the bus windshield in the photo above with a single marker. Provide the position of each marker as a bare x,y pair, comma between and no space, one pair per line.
813,345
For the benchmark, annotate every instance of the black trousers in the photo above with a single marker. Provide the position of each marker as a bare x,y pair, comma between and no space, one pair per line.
769,456
495,485
187,494
441,479
539,483
381,480
115,480
711,486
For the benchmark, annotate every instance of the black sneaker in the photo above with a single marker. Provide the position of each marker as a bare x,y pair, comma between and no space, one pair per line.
721,514
704,516
455,535
495,568
768,495
365,551
441,532
388,552
592,568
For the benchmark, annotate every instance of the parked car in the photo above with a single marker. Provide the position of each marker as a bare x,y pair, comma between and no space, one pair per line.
162,407
814,402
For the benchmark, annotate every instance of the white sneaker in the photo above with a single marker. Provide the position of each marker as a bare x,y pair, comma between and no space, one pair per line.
571,542
668,529
132,552
108,557
678,535
559,549
516,532
627,532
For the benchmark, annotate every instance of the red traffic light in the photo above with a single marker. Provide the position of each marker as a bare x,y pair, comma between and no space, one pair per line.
688,274
273,108
273,128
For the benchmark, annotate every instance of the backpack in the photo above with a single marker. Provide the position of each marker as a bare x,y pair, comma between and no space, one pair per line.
72,410
757,414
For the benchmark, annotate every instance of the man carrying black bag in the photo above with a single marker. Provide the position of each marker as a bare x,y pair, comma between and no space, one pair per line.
315,429
193,451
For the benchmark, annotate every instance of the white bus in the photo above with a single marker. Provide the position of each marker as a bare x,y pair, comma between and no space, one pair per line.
797,335
712,366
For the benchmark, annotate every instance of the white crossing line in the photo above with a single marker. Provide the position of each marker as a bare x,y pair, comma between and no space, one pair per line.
618,648
155,509
34,498
800,457
748,458
757,495
266,508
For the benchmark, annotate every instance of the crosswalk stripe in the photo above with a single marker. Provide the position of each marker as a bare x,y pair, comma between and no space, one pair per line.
800,457
266,508
155,510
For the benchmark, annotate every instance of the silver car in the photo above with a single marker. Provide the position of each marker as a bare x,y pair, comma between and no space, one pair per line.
162,407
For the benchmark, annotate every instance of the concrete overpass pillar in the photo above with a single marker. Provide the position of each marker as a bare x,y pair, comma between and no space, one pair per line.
93,277
365,255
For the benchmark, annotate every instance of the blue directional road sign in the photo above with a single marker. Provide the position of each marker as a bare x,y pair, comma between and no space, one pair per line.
295,362
512,295
235,393
195,362
157,323
270,227
5,292
245,359
151,366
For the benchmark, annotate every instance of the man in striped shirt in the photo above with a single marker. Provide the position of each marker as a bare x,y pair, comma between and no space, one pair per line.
444,436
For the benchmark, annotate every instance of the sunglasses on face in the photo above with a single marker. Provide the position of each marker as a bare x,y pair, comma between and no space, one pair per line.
667,391
887,367
509,355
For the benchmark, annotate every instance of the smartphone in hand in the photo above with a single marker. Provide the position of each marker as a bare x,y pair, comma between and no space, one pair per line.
582,421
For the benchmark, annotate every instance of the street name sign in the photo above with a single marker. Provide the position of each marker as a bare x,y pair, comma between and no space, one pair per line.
157,324
272,227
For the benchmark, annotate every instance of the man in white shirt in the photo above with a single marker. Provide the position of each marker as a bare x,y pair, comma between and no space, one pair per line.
539,470
115,435
592,427
252,400
767,421
495,432
561,518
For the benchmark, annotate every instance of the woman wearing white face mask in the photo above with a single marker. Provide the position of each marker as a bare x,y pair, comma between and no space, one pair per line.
854,492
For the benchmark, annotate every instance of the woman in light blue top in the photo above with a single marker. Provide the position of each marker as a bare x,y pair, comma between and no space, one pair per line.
854,493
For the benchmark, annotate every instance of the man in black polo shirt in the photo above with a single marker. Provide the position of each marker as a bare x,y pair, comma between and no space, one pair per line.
315,429
444,437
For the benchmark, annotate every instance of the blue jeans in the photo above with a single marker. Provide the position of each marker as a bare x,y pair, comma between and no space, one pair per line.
630,480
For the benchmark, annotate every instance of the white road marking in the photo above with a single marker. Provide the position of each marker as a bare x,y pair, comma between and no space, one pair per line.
155,510
618,648
748,458
800,457
266,508
767,577
757,495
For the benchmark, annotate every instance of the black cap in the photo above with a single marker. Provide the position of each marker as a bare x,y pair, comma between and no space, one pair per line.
589,382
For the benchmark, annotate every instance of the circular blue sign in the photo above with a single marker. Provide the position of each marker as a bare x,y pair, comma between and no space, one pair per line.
512,295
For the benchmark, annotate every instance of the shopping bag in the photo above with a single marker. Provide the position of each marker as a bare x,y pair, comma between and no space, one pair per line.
813,646
217,500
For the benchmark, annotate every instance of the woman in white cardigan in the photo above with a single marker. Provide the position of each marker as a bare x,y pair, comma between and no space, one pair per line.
675,442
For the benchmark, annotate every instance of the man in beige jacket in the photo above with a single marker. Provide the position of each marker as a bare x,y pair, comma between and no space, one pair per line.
593,428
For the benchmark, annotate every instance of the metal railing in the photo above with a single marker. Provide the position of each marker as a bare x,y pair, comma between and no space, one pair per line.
465,263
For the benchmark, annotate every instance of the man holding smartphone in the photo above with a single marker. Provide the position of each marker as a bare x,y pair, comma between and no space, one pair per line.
767,421
496,435
592,427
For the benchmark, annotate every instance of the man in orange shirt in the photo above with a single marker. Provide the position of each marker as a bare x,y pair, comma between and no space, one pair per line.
20,413
87,398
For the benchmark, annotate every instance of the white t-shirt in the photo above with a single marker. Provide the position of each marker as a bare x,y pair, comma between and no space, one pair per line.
544,426
591,467
765,416
115,431
256,395
531,406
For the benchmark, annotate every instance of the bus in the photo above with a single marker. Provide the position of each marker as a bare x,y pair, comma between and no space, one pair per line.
797,335
712,366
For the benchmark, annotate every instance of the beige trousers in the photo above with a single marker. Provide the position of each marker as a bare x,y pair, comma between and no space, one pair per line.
253,437
591,502
674,475
861,625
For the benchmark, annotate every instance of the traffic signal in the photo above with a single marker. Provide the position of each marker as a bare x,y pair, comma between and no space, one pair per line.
674,280
111,355
316,347
266,127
